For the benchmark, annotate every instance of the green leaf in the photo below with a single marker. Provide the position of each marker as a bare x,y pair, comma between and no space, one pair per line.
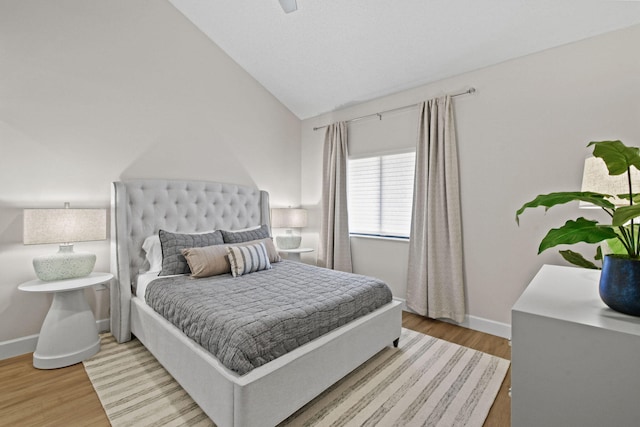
624,214
617,156
577,259
553,199
616,246
635,197
580,230
598,256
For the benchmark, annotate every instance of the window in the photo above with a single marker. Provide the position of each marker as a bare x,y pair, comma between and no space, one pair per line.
380,195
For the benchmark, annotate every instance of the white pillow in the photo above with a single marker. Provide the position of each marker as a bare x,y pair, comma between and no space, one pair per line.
153,250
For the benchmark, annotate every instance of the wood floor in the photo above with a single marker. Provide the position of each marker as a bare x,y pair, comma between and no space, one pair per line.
65,397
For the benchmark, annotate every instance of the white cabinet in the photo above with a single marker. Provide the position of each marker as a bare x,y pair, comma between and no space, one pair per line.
575,362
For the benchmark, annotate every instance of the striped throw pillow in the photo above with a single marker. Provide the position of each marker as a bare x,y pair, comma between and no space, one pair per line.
248,259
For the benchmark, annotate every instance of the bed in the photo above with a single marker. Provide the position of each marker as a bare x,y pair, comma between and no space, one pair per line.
267,394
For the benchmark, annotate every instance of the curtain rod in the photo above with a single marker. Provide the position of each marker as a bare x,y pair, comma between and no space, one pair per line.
466,92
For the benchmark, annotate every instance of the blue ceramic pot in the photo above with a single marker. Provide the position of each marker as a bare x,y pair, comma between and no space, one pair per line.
620,284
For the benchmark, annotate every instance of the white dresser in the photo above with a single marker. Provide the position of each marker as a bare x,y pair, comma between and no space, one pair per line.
575,362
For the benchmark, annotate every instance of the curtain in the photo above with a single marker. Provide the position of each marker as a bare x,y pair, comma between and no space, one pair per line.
435,283
335,248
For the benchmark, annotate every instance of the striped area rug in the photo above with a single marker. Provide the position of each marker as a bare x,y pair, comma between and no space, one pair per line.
424,382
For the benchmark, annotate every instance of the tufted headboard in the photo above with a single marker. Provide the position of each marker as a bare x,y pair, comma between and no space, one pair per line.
140,208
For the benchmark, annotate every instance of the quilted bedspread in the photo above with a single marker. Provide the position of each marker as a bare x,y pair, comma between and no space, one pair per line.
250,320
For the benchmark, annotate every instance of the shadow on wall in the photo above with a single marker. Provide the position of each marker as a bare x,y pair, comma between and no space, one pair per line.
311,233
196,157
10,245
10,224
15,262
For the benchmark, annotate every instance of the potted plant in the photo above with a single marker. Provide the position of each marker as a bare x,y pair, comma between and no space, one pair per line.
620,276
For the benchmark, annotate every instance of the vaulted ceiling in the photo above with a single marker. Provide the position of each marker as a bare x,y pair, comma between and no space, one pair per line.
333,53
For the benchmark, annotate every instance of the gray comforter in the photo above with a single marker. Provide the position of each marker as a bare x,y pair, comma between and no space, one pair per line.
250,320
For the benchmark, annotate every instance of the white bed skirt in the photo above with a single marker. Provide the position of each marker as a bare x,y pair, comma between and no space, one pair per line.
268,394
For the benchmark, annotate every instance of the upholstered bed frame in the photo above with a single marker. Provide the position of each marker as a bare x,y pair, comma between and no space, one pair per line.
268,394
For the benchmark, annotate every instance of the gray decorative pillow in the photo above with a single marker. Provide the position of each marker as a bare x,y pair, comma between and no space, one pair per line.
212,260
245,236
173,262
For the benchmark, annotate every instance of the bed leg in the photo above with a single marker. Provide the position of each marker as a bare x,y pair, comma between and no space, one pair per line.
396,342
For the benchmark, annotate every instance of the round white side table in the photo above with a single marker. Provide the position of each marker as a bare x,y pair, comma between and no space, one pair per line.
294,254
69,333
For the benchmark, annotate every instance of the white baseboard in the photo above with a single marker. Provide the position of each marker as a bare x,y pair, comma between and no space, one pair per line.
487,326
18,346
104,325
23,345
479,324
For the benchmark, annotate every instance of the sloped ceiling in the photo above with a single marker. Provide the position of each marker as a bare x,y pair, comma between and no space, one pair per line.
333,53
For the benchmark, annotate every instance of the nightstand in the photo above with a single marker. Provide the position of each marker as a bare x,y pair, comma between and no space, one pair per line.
69,333
293,254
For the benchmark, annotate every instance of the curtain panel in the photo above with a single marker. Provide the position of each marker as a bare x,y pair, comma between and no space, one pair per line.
435,282
335,247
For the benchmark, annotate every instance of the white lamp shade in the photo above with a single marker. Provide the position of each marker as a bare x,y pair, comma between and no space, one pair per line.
289,5
596,178
43,226
64,226
288,218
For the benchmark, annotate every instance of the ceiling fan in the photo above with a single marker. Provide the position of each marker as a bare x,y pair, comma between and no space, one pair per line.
289,5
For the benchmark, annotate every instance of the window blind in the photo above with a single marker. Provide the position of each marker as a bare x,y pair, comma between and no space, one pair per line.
380,195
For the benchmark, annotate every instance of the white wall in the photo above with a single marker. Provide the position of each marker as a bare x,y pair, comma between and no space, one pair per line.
93,92
523,133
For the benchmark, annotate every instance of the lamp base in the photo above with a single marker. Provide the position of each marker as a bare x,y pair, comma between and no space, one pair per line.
288,241
64,264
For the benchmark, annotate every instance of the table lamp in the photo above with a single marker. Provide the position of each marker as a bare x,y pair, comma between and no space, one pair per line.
596,178
64,226
288,218
289,5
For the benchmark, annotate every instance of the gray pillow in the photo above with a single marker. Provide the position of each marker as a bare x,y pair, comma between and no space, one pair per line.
173,262
246,236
